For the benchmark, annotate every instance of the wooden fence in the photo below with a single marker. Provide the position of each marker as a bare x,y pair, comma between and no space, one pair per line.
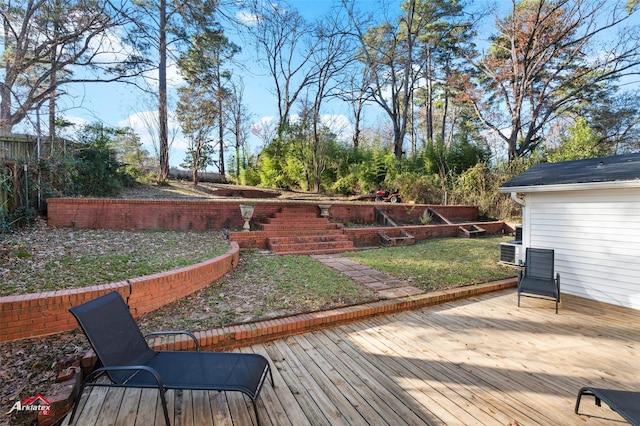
27,148
19,170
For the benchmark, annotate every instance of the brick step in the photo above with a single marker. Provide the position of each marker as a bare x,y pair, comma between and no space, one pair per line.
298,225
310,245
285,214
295,239
294,220
314,251
303,232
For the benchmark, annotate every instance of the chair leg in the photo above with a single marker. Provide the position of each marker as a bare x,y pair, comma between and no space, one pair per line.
165,410
271,378
580,393
76,403
255,410
586,391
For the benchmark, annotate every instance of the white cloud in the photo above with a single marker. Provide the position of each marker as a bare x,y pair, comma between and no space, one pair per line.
247,18
145,124
339,124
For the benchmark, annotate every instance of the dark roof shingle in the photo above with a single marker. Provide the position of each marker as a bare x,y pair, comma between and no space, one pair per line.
603,169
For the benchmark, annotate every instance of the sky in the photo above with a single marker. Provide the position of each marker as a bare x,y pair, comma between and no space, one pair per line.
120,105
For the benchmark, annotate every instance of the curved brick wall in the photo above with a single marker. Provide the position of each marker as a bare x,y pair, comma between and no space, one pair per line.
41,314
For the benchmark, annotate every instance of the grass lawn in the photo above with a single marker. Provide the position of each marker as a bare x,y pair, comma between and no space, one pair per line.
262,286
441,263
48,258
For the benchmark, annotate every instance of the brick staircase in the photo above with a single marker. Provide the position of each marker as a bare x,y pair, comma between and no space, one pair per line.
297,231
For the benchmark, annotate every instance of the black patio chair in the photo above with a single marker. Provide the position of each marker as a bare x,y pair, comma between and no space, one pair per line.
625,403
128,361
538,278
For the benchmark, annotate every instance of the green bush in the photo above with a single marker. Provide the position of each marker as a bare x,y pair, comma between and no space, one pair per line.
479,186
98,173
422,189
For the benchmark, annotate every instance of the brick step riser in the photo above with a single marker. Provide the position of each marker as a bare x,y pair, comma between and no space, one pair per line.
290,226
310,252
308,239
304,232
285,215
287,221
299,247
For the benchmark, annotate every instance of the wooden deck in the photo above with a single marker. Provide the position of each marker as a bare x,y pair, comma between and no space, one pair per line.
481,361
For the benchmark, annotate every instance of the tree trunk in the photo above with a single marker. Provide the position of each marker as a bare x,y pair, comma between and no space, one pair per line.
429,100
163,131
221,134
356,125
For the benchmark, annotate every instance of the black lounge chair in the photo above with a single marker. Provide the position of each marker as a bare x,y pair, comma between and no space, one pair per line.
538,278
128,360
625,403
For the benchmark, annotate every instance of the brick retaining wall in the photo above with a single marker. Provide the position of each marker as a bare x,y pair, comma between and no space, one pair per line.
184,215
41,314
368,237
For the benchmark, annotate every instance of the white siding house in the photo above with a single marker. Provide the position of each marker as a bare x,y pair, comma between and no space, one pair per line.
588,211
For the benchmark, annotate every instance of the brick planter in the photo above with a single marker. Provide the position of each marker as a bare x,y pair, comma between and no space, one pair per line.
45,313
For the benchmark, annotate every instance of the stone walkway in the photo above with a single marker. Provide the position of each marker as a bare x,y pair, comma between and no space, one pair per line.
386,286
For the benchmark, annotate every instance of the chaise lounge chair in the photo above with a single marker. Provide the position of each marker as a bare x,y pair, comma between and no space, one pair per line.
538,279
625,403
128,360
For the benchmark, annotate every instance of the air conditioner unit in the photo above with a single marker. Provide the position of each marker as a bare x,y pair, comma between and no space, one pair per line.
511,253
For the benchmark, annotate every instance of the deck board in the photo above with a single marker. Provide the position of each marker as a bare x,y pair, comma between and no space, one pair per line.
480,361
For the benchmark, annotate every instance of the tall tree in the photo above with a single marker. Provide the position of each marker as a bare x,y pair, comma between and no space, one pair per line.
238,118
544,60
389,51
43,51
221,51
196,111
170,23
285,44
332,56
202,102
355,94
615,117
443,30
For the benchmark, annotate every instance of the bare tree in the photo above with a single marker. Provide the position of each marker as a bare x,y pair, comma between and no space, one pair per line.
389,51
355,94
544,61
44,50
285,44
333,55
238,123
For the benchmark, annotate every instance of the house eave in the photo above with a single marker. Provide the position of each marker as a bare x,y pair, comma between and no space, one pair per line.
572,187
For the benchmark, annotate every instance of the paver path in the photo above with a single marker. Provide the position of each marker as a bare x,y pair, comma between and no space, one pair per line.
385,285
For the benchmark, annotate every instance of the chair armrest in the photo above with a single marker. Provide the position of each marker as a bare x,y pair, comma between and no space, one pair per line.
175,332
135,368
